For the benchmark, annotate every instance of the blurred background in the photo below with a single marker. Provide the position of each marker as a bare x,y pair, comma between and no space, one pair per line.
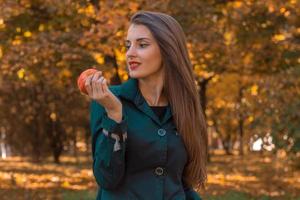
246,59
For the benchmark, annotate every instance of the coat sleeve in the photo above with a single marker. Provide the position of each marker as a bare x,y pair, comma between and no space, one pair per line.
108,146
190,193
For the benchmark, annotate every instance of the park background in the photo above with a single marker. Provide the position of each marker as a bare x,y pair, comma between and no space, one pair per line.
245,55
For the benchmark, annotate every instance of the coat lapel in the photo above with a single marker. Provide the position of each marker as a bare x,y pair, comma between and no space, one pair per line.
131,92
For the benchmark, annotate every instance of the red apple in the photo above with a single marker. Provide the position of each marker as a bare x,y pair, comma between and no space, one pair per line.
81,79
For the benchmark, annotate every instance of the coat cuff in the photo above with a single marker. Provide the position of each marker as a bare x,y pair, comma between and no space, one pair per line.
112,126
116,132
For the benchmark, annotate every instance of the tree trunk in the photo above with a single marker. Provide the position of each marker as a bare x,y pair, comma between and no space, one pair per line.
115,80
241,133
241,121
57,137
227,144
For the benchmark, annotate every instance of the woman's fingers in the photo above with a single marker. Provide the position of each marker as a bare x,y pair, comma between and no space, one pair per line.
104,86
100,85
87,85
97,88
95,84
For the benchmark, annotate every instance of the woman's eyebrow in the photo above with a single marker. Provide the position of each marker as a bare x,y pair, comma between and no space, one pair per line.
139,39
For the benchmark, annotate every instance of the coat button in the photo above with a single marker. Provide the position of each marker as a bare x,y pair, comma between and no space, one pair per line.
161,132
159,171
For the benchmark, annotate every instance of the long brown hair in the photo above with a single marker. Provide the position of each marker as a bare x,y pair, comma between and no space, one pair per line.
181,91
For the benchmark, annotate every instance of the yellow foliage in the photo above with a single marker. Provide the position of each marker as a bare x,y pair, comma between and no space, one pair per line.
99,58
31,77
278,37
257,46
125,77
90,46
119,33
248,58
287,13
204,73
61,64
120,55
1,52
89,10
133,6
250,119
197,70
220,103
123,49
18,29
53,116
197,67
215,78
21,73
264,25
210,122
230,105
229,37
203,65
50,27
66,73
254,90
84,22
237,4
191,55
208,55
2,24
224,11
16,42
282,10
27,4
66,184
41,27
27,34
121,71
271,8
110,22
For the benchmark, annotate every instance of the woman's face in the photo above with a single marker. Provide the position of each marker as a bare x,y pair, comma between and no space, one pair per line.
143,55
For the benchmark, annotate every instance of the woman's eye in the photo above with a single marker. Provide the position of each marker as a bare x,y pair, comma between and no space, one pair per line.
143,45
127,47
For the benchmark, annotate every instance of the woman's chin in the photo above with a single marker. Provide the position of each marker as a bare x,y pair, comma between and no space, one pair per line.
134,74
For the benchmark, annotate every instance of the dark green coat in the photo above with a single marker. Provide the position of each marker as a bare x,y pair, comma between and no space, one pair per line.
148,160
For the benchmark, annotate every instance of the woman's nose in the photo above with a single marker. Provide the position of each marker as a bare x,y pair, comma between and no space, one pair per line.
131,52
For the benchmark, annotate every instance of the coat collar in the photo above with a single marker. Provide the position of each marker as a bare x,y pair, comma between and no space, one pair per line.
130,91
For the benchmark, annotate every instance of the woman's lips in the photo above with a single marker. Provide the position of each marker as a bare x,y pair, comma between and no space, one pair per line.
134,66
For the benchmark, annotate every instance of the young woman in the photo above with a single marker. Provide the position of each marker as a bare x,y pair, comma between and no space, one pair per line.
149,139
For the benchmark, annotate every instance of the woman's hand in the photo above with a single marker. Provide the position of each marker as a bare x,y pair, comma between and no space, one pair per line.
97,89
